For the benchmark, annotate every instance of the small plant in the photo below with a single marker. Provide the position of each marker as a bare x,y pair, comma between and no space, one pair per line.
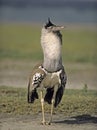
85,88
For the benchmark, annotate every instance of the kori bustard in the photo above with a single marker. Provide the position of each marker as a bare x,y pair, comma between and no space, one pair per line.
50,75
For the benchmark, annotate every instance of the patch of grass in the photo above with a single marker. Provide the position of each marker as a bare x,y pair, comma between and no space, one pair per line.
18,41
80,45
13,101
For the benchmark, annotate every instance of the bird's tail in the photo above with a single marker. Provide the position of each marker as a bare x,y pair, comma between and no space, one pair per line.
32,95
59,95
49,95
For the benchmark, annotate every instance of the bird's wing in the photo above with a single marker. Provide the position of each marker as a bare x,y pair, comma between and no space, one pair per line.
35,80
60,91
37,75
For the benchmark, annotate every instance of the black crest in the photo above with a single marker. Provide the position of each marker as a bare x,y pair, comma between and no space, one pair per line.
49,23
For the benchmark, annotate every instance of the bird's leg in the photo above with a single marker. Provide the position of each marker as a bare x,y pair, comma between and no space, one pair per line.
42,104
52,104
52,108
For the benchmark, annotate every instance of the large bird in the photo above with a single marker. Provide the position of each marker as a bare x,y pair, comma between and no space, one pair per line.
50,75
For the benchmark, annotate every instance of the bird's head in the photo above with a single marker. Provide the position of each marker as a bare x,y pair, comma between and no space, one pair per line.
50,27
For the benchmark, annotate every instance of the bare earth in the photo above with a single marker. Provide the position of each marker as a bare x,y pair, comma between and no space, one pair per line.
59,123
16,74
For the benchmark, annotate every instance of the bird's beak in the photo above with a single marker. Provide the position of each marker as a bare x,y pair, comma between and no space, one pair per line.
57,28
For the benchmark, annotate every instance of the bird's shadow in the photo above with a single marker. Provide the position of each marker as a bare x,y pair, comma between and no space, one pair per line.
80,119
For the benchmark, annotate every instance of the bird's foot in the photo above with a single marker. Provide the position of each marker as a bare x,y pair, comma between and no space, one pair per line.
48,123
45,123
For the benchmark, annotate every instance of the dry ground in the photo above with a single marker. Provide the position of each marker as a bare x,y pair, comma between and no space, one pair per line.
84,122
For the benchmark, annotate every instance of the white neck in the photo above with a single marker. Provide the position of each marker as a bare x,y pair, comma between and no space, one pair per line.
51,44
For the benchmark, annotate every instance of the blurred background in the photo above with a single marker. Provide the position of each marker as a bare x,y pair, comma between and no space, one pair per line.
20,31
37,11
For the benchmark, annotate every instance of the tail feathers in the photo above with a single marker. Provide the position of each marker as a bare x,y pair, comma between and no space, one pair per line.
32,96
49,95
58,97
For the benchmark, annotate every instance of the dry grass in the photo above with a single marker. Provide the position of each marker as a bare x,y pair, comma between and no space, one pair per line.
13,101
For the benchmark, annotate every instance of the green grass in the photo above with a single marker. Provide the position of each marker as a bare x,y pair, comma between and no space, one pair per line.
13,101
80,45
22,41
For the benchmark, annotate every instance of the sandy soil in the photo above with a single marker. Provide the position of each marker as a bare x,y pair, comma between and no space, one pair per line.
60,123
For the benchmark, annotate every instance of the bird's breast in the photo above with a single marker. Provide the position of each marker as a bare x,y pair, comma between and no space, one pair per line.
51,79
